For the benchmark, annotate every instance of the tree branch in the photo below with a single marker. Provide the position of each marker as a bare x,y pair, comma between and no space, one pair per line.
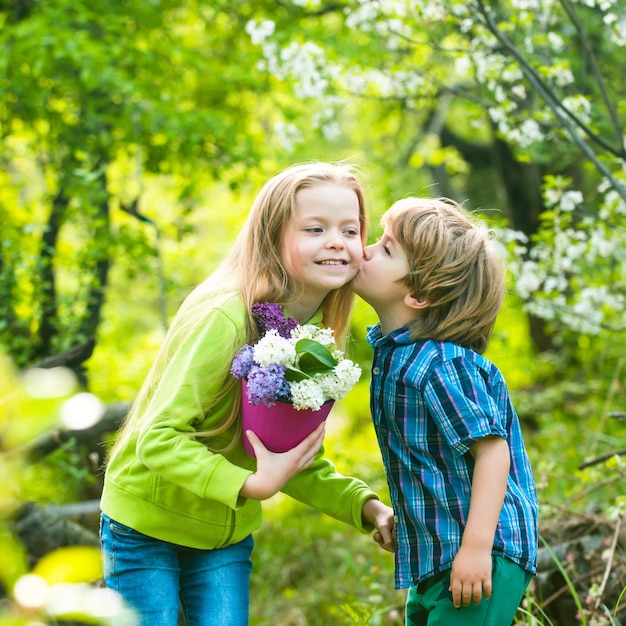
561,112
609,563
571,13
47,324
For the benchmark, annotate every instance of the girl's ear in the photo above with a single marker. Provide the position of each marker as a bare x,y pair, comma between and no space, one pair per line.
415,303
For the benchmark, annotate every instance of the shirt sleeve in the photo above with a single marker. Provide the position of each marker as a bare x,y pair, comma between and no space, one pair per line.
458,399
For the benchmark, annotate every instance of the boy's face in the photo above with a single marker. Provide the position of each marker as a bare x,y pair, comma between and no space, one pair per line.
380,280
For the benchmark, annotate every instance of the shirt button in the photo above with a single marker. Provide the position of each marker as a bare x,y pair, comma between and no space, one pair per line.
376,371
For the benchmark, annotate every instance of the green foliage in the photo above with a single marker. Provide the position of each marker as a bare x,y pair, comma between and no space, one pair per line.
92,103
64,475
135,137
453,86
318,573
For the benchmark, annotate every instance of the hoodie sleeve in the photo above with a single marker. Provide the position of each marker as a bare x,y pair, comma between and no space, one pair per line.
188,398
325,489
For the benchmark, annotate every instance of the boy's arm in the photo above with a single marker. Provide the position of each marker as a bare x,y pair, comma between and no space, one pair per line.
470,579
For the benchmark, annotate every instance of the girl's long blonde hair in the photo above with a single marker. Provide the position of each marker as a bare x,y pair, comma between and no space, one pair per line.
255,269
455,265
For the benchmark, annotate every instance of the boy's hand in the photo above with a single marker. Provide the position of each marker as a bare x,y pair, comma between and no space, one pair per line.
470,579
381,517
274,470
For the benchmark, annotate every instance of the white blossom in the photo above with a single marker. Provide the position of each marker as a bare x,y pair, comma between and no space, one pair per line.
337,384
272,348
313,4
519,91
260,31
315,374
307,394
348,371
529,279
527,133
323,336
556,42
579,106
570,200
600,245
288,135
561,74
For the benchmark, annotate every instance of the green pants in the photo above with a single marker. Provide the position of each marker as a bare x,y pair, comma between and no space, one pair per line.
430,603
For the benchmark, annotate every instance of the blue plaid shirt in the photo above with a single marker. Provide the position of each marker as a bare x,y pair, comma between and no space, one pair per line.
430,402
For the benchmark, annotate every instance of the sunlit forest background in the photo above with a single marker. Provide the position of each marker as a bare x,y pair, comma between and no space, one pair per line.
134,137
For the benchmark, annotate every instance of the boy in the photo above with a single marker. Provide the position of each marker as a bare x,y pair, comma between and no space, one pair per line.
458,472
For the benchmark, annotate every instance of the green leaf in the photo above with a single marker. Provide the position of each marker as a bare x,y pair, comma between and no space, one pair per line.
314,357
294,375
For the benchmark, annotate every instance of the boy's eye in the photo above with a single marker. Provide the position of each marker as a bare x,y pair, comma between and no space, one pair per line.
386,250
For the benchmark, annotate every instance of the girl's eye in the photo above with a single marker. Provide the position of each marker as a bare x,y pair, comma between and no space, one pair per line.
351,231
313,229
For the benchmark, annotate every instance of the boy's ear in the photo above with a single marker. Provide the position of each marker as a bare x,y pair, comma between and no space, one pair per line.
415,303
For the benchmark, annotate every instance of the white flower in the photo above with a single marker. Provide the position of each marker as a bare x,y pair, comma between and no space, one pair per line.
307,394
338,383
259,31
570,200
313,370
274,349
348,374
329,384
324,336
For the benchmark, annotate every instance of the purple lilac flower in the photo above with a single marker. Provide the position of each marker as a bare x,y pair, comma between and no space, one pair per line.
271,316
243,362
267,384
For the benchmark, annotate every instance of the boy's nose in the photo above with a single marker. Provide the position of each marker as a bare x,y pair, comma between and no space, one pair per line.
367,252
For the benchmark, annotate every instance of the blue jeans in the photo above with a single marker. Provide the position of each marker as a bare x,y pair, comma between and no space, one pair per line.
157,578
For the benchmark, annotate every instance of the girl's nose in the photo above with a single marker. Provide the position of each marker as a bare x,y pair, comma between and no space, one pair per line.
334,241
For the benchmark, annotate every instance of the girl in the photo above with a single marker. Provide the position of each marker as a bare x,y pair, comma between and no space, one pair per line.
181,496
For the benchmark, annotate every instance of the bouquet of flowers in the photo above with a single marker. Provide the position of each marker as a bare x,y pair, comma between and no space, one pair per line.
293,363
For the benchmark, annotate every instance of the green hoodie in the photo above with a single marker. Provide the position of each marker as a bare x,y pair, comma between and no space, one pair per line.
165,483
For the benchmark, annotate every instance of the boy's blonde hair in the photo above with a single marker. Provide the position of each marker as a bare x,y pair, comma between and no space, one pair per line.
455,266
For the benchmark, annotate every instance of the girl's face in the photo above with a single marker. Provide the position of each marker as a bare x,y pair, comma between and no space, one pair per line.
321,244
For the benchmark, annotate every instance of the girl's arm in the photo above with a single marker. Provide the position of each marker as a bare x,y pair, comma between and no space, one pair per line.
274,470
470,579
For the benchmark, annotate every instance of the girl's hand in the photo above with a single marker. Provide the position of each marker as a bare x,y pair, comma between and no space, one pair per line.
274,470
381,516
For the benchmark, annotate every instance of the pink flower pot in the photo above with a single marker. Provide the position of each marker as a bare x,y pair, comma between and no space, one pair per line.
279,427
